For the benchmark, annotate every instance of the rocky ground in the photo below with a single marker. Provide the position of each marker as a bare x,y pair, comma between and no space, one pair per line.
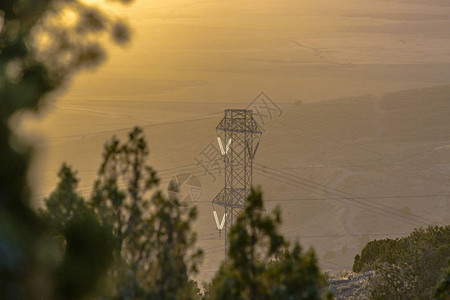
349,285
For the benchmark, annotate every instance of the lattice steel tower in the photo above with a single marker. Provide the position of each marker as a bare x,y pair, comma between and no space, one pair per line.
238,135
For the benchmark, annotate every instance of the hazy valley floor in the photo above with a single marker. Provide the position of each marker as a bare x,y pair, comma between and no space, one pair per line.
344,171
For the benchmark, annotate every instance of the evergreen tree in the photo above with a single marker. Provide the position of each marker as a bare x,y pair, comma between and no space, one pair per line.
84,245
153,233
407,267
442,290
260,264
148,236
64,203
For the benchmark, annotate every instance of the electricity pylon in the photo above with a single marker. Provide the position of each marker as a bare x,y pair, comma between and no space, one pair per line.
238,135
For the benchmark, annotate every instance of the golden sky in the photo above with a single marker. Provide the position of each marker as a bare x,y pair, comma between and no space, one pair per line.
228,51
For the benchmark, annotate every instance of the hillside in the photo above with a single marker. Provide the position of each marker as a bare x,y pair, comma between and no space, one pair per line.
344,171
388,155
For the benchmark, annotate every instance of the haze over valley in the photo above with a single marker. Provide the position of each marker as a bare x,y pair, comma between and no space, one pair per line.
361,150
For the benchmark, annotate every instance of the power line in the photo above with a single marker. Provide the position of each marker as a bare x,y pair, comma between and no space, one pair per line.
196,170
396,214
347,235
361,205
126,128
346,193
88,188
346,198
310,166
347,144
330,139
358,205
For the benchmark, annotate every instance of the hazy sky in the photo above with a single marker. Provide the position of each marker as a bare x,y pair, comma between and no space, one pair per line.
228,51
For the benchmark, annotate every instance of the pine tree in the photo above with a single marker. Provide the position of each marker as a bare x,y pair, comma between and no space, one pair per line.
261,265
153,233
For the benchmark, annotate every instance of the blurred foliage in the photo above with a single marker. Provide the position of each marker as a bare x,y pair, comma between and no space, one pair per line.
84,244
442,289
87,256
261,265
151,241
408,267
42,43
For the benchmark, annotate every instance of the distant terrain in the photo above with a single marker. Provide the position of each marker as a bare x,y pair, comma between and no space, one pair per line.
344,171
423,2
309,50
380,164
